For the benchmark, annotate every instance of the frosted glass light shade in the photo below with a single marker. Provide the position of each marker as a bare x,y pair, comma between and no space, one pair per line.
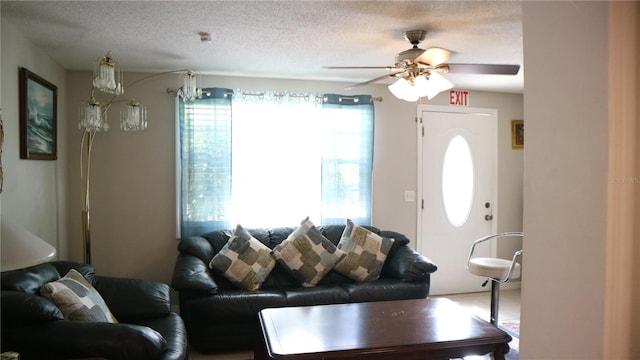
403,90
133,116
437,84
107,75
419,86
93,116
21,248
189,90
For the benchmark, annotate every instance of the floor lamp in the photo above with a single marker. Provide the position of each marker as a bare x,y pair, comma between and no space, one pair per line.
133,117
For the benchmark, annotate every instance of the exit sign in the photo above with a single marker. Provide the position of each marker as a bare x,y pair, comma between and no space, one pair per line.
459,97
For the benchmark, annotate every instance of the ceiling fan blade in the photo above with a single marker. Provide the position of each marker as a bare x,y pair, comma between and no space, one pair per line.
433,56
489,69
373,80
360,67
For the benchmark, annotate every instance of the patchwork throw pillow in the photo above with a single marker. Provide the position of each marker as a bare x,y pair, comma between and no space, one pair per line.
365,251
77,299
244,260
307,254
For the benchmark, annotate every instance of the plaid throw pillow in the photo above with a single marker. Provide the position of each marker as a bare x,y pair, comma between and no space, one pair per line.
244,260
307,254
366,253
77,299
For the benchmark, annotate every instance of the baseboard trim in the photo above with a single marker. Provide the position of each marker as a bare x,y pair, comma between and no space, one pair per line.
512,285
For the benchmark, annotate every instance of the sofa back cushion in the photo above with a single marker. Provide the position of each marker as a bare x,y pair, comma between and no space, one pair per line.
30,279
206,246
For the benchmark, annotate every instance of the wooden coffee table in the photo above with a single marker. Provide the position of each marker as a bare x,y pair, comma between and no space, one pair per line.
404,329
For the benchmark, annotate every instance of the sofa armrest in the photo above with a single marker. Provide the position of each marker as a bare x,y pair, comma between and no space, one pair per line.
407,264
131,299
192,274
66,339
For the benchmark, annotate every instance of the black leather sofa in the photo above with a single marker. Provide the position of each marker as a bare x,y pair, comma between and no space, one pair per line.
35,327
220,317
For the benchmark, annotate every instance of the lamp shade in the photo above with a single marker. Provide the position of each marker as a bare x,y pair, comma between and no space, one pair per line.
21,248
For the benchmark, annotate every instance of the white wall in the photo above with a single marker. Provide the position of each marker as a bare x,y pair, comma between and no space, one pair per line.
35,191
565,182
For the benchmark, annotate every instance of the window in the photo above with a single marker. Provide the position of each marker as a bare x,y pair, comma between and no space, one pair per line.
273,159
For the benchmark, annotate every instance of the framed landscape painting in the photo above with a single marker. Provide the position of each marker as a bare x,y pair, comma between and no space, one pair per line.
38,117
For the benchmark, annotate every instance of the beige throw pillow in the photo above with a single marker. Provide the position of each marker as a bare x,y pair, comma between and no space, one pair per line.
307,254
77,299
244,260
365,251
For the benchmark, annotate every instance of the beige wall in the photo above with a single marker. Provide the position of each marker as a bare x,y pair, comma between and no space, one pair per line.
133,183
565,180
34,191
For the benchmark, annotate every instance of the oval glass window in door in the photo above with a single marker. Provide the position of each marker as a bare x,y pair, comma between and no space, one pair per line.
457,181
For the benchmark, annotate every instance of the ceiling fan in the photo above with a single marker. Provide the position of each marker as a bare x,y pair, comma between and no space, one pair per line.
419,70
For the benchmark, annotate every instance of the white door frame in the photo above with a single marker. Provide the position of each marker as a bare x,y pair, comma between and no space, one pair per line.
420,190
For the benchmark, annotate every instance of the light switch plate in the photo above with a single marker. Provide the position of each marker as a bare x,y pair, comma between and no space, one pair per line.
409,196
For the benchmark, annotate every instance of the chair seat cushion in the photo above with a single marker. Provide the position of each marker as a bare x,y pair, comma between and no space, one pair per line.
493,268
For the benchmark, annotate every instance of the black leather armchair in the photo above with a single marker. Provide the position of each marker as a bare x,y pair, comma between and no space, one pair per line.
35,327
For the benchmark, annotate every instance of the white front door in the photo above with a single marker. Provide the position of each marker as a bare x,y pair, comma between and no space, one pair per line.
458,190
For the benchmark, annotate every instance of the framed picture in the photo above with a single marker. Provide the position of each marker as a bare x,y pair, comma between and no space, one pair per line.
38,117
517,134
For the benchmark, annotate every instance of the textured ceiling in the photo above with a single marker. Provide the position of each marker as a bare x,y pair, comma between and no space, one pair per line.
282,39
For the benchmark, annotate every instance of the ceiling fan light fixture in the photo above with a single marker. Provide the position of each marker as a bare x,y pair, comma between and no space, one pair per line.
437,84
421,85
404,90
413,88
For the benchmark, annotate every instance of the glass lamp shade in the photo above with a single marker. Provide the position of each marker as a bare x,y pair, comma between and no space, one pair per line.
189,90
403,90
133,116
420,86
107,75
93,116
437,84
21,248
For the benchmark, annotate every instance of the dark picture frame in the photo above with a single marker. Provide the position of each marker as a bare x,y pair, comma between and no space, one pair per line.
38,117
517,134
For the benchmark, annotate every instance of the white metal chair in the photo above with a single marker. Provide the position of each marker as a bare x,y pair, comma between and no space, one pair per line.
496,270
